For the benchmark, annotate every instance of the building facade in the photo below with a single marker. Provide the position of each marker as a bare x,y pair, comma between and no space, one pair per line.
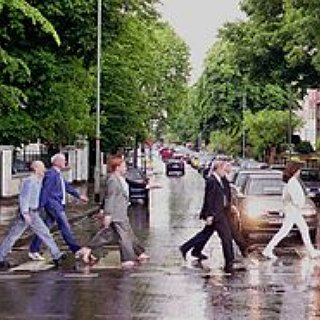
310,114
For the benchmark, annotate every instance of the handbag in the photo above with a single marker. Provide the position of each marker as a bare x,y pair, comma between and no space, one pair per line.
105,236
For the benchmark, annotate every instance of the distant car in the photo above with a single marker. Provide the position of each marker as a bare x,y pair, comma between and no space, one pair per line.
194,161
138,185
175,165
19,166
166,153
253,164
260,206
240,176
205,161
311,180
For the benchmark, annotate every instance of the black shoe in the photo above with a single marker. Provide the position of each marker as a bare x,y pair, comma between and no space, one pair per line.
4,265
183,252
199,255
232,269
229,269
245,252
58,262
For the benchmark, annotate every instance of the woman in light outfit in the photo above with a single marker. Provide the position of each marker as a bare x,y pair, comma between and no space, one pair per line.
116,203
293,201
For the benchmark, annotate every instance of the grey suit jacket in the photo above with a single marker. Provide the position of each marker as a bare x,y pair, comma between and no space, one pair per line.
116,199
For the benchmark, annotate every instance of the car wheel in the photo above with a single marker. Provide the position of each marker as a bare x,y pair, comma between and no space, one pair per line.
147,199
246,235
182,172
313,235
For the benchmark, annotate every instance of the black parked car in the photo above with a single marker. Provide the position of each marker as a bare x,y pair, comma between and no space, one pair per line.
138,185
311,180
20,166
175,165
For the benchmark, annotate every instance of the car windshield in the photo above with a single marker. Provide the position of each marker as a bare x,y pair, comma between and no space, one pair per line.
309,175
265,186
134,174
240,178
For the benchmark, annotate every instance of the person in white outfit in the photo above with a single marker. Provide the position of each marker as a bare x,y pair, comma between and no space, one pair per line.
294,199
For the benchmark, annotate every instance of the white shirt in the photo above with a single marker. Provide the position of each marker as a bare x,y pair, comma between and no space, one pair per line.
218,178
293,193
225,201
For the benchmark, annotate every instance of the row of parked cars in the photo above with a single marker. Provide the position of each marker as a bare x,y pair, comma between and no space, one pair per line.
257,194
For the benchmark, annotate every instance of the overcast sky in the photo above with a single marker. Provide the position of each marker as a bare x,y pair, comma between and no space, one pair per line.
197,22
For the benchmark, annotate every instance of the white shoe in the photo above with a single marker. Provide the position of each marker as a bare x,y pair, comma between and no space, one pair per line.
269,255
36,256
143,256
128,264
314,254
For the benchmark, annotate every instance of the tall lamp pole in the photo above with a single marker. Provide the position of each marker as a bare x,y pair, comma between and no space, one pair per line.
244,106
290,90
97,171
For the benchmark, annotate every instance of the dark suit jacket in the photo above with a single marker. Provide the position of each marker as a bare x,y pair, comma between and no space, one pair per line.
213,203
51,193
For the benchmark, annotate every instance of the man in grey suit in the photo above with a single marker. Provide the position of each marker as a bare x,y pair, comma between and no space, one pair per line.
115,208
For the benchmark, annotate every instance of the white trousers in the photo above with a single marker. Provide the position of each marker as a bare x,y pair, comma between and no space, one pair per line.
292,216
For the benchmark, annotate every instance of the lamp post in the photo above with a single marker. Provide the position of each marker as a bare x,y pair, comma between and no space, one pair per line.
97,171
244,106
290,123
291,102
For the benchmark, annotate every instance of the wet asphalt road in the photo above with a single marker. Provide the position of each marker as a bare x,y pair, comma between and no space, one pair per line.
166,287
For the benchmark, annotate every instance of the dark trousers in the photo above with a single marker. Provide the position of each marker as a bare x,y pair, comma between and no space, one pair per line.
237,236
64,227
198,242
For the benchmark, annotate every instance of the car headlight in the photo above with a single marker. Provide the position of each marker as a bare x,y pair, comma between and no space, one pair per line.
309,211
254,210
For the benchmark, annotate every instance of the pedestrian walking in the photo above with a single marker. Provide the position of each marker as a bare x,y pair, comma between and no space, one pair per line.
115,209
28,217
294,200
53,200
232,214
213,213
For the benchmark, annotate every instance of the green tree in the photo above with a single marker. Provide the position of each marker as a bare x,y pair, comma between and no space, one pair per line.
145,67
304,147
17,15
224,142
267,129
144,79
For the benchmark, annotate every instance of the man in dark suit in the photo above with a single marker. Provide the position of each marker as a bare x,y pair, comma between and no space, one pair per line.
213,212
231,213
53,201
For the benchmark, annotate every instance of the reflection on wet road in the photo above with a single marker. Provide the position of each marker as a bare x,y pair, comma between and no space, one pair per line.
166,287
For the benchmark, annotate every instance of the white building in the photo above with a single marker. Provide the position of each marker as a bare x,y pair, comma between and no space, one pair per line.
310,113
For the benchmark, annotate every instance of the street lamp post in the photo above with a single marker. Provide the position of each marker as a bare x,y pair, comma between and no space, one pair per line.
244,106
291,102
97,171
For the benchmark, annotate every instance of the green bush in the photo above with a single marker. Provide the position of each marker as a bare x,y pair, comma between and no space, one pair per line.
304,147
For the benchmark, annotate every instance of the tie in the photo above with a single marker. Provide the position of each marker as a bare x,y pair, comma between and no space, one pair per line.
63,188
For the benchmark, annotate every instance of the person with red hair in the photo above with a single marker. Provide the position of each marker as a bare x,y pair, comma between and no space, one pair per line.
116,202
